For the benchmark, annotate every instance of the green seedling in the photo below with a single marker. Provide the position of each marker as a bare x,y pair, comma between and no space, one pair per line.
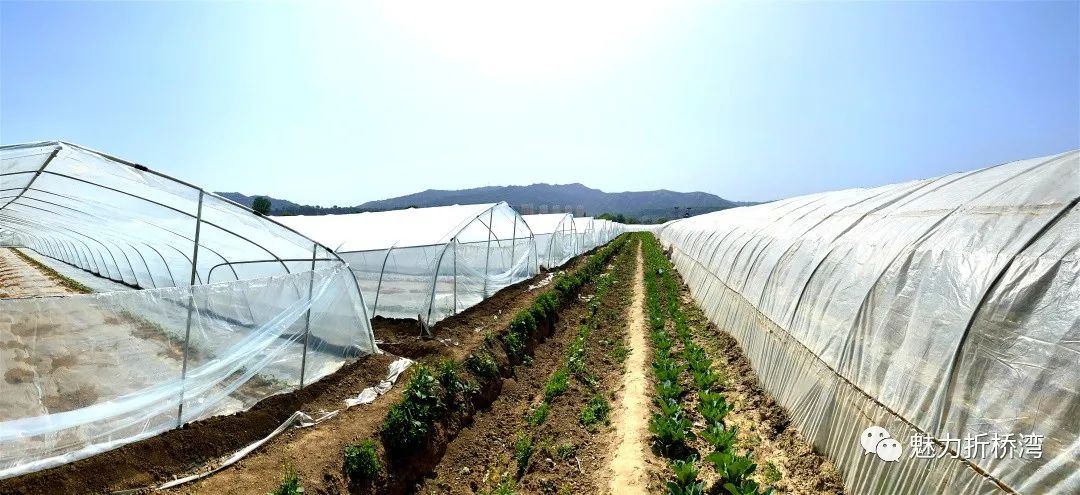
362,461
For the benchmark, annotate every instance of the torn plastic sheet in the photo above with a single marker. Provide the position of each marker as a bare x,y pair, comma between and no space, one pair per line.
369,394
299,420
544,282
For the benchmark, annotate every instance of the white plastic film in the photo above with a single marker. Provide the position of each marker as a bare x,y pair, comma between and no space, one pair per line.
555,238
942,308
236,307
93,372
428,262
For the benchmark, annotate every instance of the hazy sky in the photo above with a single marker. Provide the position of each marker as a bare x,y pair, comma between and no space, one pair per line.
339,104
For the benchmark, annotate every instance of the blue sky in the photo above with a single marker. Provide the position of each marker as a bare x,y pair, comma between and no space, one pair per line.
335,103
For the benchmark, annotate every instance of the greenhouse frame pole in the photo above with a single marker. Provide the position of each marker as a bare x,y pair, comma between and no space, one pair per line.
434,281
513,244
307,314
378,286
191,309
454,240
487,258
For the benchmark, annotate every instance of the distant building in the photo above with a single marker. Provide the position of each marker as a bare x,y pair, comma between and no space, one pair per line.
579,211
542,209
526,209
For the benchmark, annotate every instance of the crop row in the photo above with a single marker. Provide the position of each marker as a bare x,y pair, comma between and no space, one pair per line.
684,378
435,392
574,366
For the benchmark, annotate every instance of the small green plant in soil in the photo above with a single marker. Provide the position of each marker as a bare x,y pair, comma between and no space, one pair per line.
735,471
575,359
403,430
362,461
504,488
620,353
523,449
566,450
595,413
515,346
771,473
455,386
424,389
408,422
722,439
290,483
713,407
482,365
668,389
686,482
539,413
557,385
667,369
671,432
705,380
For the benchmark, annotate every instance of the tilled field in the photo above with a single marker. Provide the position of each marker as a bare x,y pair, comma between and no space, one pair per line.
21,277
554,385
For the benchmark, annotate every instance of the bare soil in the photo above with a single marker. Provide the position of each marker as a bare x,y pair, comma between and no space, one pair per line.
633,466
157,459
19,278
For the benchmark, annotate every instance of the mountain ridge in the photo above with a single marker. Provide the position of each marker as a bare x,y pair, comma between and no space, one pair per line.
576,198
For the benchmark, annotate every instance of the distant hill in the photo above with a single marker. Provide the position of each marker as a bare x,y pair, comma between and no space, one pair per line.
246,200
536,198
286,207
641,204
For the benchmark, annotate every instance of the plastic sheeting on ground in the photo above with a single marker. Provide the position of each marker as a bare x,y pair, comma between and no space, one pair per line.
299,420
946,307
428,262
555,238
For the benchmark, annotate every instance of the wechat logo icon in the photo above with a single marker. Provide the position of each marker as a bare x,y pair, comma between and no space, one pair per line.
876,440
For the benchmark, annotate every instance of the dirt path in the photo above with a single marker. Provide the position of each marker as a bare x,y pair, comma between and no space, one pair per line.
628,465
21,279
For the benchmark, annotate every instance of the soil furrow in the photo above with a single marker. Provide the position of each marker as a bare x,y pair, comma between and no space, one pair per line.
629,469
541,438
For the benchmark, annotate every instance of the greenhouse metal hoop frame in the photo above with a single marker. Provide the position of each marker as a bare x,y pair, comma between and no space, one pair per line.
438,263
193,259
573,239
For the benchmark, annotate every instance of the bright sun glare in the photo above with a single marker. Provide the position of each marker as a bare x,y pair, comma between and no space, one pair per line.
538,42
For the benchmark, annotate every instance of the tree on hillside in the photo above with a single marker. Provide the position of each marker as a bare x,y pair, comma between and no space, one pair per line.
617,218
261,205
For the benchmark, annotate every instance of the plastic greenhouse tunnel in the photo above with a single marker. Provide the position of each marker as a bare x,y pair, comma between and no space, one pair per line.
555,238
586,236
939,308
428,263
198,306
